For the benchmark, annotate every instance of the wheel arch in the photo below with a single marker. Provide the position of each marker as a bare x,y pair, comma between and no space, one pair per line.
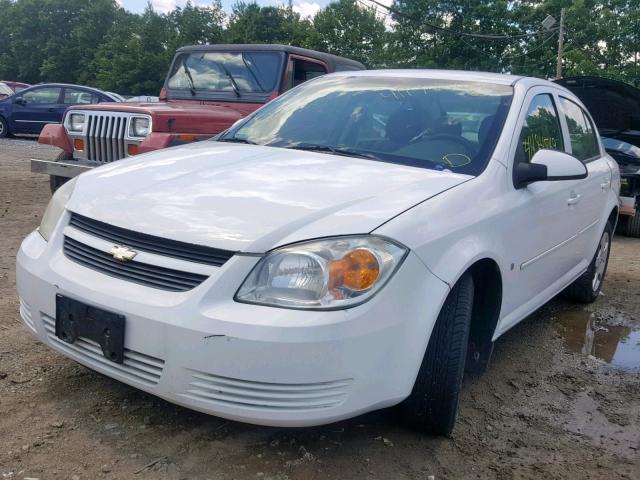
487,303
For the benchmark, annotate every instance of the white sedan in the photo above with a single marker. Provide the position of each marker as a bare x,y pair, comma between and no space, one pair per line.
355,244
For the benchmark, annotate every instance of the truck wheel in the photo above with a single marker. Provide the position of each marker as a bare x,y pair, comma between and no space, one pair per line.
4,128
586,288
632,226
56,182
433,403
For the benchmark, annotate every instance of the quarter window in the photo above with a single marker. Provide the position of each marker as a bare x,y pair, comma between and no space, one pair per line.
304,70
584,144
540,130
41,96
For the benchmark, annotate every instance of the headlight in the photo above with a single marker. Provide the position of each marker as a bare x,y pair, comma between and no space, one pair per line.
55,209
76,122
324,274
139,127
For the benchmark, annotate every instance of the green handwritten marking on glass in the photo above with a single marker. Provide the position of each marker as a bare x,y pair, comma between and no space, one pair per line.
533,143
456,160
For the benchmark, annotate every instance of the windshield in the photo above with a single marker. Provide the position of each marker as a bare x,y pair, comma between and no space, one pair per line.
428,123
238,73
5,90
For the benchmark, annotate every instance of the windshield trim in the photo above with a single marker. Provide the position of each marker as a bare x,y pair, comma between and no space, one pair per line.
226,95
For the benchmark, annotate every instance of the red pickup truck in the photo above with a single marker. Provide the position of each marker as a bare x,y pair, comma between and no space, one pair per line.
207,89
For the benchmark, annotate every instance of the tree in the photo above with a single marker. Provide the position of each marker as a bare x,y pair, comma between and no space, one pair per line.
193,25
251,23
345,28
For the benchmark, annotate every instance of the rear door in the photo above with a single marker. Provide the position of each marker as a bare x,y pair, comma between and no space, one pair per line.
36,107
300,69
582,143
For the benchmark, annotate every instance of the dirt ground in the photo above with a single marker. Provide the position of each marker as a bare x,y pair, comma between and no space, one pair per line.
560,400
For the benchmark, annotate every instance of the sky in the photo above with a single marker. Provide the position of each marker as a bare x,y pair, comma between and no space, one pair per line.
306,8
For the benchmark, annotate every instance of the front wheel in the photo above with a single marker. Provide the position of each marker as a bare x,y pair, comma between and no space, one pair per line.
4,128
433,403
586,288
55,182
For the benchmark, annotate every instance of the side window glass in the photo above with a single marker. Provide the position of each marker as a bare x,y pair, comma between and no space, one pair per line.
540,130
303,71
79,97
584,144
41,96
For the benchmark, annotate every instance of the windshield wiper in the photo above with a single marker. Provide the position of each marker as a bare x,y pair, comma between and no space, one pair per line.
347,152
236,140
236,89
192,87
255,77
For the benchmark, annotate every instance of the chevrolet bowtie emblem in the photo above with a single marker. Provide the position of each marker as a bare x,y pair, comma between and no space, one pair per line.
122,253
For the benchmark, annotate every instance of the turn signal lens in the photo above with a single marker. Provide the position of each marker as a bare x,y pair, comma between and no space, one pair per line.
132,149
358,270
78,144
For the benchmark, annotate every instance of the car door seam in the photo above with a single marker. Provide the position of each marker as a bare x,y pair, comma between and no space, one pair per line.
556,247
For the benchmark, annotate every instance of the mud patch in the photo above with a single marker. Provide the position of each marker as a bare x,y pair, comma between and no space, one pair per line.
615,341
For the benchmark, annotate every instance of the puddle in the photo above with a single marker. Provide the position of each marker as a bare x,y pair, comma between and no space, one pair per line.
615,344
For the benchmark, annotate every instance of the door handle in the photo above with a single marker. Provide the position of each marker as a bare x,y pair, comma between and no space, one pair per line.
605,185
52,109
574,199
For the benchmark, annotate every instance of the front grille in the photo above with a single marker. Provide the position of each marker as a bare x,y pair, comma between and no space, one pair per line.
105,140
137,367
150,243
142,273
269,396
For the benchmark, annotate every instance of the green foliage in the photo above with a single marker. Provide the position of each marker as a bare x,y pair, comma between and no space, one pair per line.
96,42
345,28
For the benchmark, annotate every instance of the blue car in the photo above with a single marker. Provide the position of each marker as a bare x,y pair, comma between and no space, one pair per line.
29,110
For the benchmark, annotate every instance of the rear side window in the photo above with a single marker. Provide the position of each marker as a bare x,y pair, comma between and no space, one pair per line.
79,97
540,130
304,70
584,144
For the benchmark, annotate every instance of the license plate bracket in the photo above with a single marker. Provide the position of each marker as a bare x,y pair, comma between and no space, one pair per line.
76,319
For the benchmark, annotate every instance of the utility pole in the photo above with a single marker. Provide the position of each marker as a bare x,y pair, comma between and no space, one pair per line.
560,45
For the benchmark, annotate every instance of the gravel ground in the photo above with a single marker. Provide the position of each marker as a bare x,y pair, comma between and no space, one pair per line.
560,399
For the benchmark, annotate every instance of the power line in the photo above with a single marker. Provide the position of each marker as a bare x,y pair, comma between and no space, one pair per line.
484,36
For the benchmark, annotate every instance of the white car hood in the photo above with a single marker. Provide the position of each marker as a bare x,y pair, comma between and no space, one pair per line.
251,198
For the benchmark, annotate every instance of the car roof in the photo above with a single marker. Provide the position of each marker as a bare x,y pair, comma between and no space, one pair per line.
69,85
484,77
332,60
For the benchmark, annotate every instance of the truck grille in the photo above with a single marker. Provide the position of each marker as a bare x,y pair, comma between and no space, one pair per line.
106,136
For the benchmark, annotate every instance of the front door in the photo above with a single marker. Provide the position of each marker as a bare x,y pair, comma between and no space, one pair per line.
34,108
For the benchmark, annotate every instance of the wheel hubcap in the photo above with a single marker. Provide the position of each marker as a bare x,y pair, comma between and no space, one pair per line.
601,261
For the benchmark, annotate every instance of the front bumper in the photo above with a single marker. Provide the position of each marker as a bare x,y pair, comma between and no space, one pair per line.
256,364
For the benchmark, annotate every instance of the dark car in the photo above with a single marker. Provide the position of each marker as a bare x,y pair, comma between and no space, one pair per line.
29,110
615,107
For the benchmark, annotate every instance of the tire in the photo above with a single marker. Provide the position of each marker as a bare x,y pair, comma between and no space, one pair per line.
433,404
56,182
586,288
4,128
632,226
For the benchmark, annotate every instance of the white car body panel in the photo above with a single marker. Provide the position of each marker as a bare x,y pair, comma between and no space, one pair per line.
203,350
250,198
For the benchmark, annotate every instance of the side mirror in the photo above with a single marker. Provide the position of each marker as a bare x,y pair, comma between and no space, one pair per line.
548,165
